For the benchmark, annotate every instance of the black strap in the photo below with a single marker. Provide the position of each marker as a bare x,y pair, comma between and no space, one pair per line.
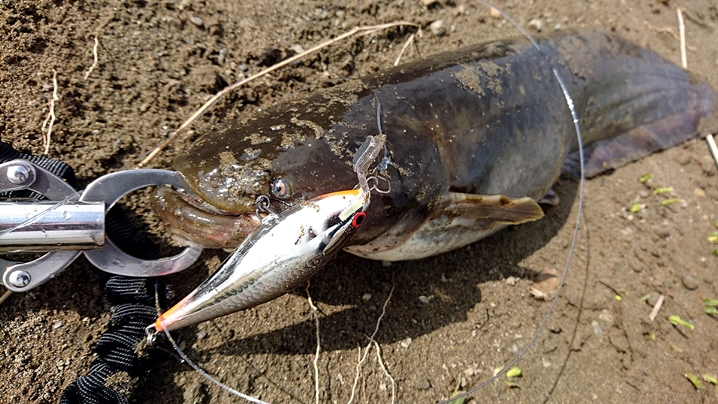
131,300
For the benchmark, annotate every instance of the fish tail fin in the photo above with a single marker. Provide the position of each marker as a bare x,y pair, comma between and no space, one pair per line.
671,130
631,102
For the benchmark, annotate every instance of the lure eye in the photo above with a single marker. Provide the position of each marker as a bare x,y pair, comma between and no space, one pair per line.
279,188
358,219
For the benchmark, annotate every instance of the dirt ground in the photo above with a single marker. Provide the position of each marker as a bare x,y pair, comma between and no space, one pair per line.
452,319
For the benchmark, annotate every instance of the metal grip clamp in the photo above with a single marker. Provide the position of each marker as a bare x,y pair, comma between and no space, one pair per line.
71,223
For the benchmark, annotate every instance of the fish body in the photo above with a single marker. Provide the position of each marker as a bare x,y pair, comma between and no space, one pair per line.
475,138
282,253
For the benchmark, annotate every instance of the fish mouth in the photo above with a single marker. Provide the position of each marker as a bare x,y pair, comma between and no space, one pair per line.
192,221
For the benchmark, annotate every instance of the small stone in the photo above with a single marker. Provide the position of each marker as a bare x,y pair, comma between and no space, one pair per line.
57,325
437,28
243,67
557,27
699,192
366,297
511,280
545,285
201,335
653,298
424,299
536,25
405,343
196,21
428,3
421,383
494,13
690,282
297,48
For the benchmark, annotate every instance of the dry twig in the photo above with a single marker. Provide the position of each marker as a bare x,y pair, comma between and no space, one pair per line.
371,341
668,30
51,114
5,296
656,308
403,48
386,372
682,31
94,63
207,105
315,313
712,146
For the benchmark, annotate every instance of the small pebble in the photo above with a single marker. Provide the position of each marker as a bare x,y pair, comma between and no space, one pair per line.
405,343
366,297
57,325
494,13
422,383
597,328
511,280
437,28
428,3
424,299
536,25
196,21
699,192
690,282
201,335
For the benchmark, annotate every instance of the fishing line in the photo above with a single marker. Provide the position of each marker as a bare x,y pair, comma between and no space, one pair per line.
193,365
574,116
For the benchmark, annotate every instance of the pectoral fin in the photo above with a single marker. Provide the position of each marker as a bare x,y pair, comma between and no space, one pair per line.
455,220
496,208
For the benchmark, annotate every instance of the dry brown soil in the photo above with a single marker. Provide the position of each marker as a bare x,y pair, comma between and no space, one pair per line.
159,61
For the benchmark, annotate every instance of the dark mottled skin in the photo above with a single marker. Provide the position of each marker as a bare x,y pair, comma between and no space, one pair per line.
490,119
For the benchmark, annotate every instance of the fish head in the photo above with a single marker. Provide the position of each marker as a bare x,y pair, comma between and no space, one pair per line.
227,171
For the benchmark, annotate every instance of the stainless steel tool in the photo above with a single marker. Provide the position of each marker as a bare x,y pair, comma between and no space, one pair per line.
70,223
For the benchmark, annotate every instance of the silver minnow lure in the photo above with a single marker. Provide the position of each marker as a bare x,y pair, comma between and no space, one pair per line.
284,251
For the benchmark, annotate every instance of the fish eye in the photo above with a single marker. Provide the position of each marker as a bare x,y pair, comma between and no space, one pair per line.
279,188
358,219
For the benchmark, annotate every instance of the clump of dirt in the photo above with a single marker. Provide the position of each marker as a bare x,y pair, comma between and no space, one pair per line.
452,319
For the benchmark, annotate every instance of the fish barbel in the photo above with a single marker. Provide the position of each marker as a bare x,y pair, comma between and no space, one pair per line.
475,138
283,252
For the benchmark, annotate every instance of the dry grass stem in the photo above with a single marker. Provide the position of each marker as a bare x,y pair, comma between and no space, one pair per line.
403,48
51,115
5,296
315,314
213,100
682,31
656,308
94,54
371,341
668,30
386,372
712,146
